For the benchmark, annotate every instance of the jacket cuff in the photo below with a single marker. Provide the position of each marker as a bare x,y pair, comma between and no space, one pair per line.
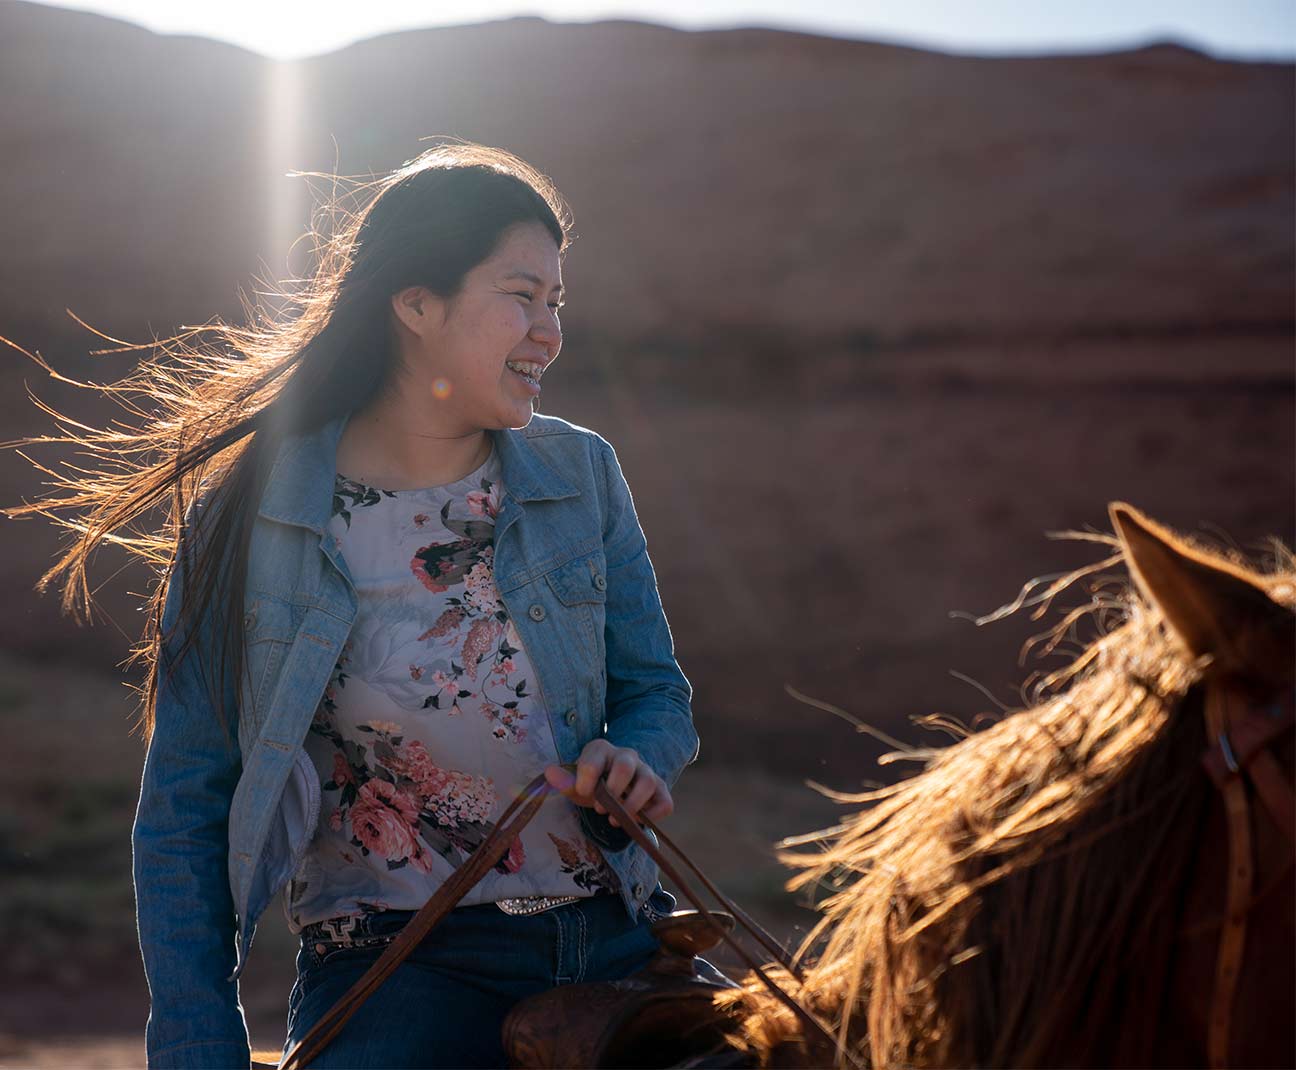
201,1055
599,829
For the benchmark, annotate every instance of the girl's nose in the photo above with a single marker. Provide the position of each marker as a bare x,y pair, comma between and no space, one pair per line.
547,331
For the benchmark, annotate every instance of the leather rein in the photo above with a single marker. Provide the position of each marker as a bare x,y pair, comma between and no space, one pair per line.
1241,735
476,865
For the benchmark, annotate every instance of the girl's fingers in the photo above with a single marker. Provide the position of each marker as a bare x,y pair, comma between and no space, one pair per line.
559,778
648,796
643,790
624,774
591,765
661,806
624,768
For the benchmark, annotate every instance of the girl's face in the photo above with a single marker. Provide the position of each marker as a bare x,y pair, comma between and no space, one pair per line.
456,352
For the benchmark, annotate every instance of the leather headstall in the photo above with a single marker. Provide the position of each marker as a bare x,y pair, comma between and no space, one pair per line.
1240,734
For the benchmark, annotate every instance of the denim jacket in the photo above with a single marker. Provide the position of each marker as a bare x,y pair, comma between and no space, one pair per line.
225,816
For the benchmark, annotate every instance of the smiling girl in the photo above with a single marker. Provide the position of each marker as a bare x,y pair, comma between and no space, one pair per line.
389,595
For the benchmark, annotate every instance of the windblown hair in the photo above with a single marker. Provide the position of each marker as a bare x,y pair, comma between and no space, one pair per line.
986,910
210,406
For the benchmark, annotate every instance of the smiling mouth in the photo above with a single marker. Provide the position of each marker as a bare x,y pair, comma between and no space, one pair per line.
527,376
532,385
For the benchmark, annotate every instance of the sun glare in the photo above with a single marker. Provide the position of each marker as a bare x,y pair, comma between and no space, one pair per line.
282,152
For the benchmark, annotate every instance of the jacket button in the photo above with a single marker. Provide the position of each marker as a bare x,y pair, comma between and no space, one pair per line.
570,717
320,949
637,891
536,612
600,583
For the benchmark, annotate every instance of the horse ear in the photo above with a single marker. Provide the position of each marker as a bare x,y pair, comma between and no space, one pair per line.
1212,605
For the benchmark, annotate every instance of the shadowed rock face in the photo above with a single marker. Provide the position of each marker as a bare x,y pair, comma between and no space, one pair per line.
863,321
726,181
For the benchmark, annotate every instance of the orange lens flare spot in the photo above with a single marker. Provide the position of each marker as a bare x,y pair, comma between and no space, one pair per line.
441,389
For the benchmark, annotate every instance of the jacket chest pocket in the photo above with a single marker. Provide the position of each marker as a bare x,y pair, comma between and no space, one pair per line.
580,586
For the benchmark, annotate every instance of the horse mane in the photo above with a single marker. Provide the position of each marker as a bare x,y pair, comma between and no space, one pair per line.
985,910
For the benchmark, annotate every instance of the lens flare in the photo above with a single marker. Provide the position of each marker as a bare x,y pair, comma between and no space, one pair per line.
441,389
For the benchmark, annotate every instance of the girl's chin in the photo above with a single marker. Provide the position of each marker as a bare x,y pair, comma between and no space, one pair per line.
517,415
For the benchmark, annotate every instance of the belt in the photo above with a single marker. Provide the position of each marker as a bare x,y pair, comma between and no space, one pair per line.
534,904
352,931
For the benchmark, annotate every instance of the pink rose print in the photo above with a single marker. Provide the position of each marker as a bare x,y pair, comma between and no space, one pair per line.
383,820
420,569
516,857
452,798
484,503
342,774
412,760
335,820
445,683
421,859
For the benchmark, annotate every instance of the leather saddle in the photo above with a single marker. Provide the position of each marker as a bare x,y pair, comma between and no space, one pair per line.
660,1016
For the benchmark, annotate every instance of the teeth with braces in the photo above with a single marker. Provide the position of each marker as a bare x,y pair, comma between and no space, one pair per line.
534,380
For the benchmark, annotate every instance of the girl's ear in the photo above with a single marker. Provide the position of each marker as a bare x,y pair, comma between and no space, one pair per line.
418,309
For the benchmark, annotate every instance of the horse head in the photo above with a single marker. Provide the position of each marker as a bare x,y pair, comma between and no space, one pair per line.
1104,878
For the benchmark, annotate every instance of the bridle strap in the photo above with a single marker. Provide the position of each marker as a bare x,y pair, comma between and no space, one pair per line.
490,851
1232,939
1274,792
1244,746
1239,745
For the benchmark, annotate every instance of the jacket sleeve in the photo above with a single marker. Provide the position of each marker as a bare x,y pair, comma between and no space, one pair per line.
648,695
184,909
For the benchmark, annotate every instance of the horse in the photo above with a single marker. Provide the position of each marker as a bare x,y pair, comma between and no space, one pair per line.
1104,878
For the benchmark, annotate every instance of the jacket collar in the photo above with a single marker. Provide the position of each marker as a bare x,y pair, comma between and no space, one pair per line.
299,489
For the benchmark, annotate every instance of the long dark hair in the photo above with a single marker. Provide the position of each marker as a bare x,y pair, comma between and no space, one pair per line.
211,404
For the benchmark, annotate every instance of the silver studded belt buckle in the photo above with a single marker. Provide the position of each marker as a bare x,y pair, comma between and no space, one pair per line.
533,904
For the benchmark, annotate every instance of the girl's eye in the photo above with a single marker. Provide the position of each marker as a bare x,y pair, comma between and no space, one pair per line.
531,297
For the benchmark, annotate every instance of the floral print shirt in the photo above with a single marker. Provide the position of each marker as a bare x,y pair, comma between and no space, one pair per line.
433,719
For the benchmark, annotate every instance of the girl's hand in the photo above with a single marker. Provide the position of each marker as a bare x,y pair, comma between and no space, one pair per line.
628,779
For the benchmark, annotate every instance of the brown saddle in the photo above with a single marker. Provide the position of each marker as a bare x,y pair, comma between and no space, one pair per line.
661,1015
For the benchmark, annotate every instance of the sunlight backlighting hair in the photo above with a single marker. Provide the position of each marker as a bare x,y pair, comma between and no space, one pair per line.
207,409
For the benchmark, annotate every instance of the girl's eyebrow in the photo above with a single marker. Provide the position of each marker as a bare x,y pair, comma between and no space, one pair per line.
535,279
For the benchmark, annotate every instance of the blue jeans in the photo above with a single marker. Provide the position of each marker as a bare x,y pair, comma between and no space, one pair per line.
444,1005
